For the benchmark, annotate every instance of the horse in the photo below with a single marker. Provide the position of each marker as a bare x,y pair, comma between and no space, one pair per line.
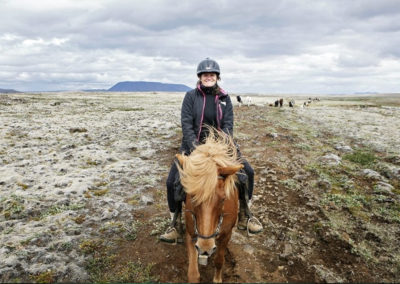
208,176
239,100
281,102
276,103
248,101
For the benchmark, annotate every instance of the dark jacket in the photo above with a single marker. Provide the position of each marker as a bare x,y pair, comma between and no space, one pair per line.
192,115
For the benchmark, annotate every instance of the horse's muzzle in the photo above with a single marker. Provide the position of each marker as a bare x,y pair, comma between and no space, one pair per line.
204,254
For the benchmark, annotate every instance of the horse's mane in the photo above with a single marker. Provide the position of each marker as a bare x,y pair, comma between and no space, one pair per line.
199,175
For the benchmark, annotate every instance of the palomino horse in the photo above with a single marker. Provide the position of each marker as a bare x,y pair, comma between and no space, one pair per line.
208,176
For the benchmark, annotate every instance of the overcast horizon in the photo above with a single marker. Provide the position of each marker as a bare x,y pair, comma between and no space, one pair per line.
326,47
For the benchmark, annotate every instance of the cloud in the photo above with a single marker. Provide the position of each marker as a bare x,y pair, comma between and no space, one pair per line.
262,46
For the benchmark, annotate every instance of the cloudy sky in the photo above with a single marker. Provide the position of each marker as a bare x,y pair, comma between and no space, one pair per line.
266,46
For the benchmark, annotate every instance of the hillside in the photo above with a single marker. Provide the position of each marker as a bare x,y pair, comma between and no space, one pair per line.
141,86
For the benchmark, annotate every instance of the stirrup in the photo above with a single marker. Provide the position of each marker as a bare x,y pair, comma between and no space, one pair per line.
258,222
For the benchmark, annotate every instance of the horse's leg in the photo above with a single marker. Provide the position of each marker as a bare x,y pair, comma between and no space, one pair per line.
219,259
193,269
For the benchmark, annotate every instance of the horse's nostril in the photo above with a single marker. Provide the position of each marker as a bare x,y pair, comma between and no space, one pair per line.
213,250
198,249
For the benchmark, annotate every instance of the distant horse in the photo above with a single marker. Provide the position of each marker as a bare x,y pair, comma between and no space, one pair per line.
281,102
208,176
291,103
248,100
239,100
276,103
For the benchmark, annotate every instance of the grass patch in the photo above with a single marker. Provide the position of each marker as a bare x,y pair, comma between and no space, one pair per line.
105,267
55,209
13,208
23,185
44,277
346,200
99,192
303,146
360,157
134,200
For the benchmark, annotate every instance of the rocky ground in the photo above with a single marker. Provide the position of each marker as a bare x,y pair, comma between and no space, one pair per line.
82,194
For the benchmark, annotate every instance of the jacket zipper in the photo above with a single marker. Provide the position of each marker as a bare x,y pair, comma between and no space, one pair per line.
219,111
202,112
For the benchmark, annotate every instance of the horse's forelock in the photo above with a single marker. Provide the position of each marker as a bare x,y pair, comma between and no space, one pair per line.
199,175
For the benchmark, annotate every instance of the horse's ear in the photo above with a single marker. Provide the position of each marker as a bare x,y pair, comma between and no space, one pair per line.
227,171
180,159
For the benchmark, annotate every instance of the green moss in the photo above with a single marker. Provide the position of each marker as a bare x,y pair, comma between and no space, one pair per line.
100,192
23,185
363,158
13,207
45,277
91,246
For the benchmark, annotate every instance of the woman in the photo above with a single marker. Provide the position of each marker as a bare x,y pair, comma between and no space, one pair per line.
208,105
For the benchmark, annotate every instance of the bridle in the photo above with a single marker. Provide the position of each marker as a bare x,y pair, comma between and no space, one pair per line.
196,231
217,230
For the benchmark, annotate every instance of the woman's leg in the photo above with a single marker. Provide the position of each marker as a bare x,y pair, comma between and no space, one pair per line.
251,224
170,187
172,234
250,175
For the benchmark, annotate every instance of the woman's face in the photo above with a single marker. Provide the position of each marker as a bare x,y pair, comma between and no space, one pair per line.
208,79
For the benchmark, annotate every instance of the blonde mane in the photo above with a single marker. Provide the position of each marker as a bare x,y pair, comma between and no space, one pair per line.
199,175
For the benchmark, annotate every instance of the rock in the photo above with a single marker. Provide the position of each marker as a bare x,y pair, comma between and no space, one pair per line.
249,249
371,174
273,135
63,202
109,214
395,171
288,249
10,261
323,274
76,274
330,160
324,184
146,200
344,148
299,177
383,188
393,159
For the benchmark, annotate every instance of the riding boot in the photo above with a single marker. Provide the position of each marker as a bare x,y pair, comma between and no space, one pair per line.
247,220
173,234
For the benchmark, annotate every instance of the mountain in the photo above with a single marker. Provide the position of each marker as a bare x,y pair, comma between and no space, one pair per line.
8,91
95,90
141,86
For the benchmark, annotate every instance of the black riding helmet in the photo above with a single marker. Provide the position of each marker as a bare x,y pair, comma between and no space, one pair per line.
208,65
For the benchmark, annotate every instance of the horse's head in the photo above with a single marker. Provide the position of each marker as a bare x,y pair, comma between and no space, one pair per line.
205,207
